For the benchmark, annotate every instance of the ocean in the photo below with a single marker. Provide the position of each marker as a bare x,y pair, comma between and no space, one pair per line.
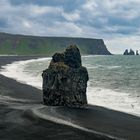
114,81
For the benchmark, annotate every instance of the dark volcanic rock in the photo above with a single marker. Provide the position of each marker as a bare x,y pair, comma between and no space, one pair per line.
72,56
126,52
129,53
137,53
65,81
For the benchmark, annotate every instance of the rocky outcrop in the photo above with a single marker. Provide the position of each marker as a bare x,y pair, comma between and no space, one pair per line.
131,52
137,53
126,52
65,80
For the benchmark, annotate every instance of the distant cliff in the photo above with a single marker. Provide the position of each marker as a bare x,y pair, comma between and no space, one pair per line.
34,45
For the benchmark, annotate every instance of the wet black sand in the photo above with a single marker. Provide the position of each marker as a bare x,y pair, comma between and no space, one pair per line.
17,122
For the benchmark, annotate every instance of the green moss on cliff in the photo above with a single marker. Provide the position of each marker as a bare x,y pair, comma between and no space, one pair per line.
32,45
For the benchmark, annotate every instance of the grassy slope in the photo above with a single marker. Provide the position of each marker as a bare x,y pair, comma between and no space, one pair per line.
32,45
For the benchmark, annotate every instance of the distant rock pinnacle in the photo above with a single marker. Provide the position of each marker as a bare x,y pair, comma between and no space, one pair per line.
131,52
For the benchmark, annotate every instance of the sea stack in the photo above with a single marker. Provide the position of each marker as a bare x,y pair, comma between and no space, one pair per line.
137,53
126,52
131,52
65,80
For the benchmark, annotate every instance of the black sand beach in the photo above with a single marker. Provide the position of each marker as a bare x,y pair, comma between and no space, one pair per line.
24,117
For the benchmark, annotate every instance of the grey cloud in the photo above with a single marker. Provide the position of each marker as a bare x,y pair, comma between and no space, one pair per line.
91,18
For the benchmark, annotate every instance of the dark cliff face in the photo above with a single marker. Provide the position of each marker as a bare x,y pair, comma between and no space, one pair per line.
100,48
29,45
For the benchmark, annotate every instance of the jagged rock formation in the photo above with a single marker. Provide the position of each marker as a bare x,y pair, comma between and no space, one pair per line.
137,53
126,52
65,80
131,52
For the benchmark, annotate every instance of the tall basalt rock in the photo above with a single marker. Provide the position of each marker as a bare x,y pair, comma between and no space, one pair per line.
65,80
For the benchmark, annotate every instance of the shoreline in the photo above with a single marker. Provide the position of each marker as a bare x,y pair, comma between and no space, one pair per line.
95,118
16,71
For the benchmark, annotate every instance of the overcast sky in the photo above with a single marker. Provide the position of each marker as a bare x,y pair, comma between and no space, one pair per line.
115,21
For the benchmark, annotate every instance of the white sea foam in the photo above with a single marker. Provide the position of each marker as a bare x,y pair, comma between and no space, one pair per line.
114,100
95,95
90,66
113,67
16,71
